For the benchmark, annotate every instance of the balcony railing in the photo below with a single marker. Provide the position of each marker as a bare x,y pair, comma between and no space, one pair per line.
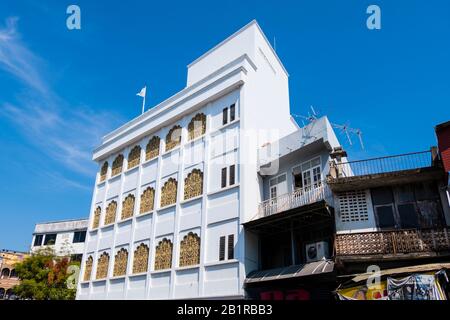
295,199
393,242
402,162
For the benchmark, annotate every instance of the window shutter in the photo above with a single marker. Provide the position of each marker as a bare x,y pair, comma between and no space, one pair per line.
232,112
225,116
224,177
222,249
231,246
232,174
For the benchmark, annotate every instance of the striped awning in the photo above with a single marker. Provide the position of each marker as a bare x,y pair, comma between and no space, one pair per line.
302,270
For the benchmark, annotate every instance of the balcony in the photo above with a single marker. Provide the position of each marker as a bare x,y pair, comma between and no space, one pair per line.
375,172
397,243
288,201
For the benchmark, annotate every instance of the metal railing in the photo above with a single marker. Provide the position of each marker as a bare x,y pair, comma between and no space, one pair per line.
393,242
295,199
409,161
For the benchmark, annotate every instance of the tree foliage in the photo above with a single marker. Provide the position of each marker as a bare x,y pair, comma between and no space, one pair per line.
44,276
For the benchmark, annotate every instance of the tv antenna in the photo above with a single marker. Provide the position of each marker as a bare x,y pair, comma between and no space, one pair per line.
344,128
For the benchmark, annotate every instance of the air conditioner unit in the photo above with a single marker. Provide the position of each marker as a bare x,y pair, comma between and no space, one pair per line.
316,251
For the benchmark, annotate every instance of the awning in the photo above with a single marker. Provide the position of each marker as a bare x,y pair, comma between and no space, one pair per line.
411,269
302,270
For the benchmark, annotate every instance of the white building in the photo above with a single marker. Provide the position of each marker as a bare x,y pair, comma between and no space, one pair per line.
176,184
65,237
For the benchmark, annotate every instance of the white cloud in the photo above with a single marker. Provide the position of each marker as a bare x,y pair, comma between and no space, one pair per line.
64,132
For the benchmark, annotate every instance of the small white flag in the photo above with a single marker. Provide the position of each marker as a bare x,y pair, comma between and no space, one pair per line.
142,93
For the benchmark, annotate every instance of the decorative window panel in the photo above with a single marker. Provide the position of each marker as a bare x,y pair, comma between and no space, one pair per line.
190,250
169,192
197,126
110,216
173,138
147,200
134,158
102,266
141,254
152,149
117,165
104,171
96,222
193,184
128,207
353,206
163,255
88,268
120,263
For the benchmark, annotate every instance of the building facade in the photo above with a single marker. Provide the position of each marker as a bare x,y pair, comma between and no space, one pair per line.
8,274
65,238
176,184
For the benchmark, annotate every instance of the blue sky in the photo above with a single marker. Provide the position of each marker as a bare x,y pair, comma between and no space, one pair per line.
61,90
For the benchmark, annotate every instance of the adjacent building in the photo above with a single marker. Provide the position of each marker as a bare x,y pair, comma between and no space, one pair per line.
8,274
66,237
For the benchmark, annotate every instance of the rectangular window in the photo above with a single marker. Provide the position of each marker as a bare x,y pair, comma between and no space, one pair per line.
232,174
232,112
231,246
79,236
224,177
225,116
222,249
38,240
50,239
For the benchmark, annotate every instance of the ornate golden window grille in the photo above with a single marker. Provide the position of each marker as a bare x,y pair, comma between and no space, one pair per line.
193,184
88,268
190,250
134,158
169,192
102,266
147,200
104,171
140,262
117,165
120,263
110,216
197,126
96,222
128,207
173,138
163,255
152,149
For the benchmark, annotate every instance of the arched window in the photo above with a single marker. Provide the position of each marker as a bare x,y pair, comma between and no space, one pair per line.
152,149
120,263
147,200
140,263
197,126
8,294
193,184
134,158
88,268
117,165
104,171
96,222
163,255
2,293
13,274
102,266
190,250
169,192
110,216
128,207
5,273
173,138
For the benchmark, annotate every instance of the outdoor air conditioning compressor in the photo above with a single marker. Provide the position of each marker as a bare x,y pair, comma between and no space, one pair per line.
316,251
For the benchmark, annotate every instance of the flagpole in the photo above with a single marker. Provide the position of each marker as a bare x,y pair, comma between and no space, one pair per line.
143,103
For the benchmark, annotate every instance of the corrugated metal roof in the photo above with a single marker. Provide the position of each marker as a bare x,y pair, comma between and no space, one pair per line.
308,269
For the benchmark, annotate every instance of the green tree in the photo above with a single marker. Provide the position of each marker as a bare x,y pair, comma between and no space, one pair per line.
44,277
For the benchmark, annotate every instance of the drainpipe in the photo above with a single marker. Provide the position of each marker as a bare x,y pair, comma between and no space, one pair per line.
293,247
